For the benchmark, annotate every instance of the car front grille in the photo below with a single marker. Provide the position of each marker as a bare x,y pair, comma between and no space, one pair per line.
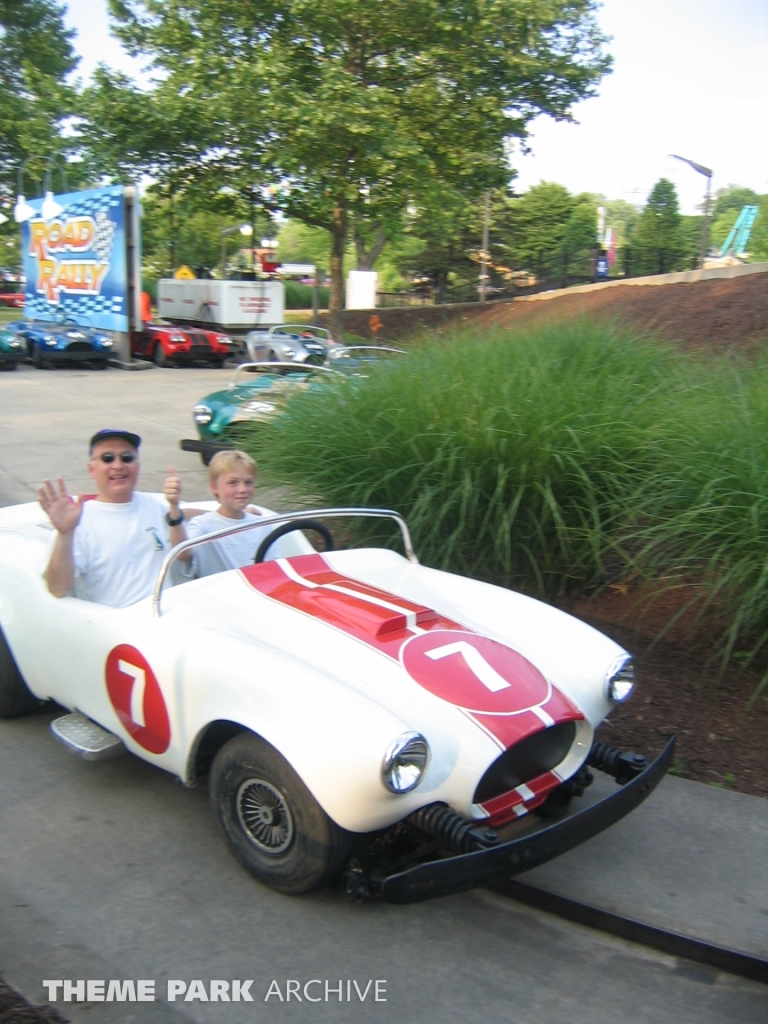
526,760
80,346
200,343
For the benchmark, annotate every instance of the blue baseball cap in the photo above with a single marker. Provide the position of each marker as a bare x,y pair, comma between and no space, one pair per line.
104,435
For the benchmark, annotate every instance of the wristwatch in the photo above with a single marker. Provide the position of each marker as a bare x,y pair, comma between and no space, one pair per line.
174,522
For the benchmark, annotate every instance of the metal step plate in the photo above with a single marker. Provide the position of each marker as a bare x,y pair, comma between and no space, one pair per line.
86,738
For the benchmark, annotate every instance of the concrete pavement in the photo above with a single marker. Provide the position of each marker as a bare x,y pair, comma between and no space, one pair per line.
111,870
47,416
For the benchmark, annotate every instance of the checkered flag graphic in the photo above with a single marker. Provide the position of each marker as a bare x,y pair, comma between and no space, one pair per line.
105,232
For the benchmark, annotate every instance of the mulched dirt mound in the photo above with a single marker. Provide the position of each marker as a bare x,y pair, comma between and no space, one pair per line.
718,315
16,1010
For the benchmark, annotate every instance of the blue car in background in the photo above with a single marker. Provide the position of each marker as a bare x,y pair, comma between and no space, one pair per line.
62,341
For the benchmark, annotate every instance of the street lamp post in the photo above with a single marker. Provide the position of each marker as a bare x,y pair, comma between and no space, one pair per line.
485,256
50,207
708,175
244,229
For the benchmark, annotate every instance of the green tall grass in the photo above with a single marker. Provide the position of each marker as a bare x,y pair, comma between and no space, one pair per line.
552,460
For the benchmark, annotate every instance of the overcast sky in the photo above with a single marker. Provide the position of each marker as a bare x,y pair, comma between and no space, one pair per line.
690,77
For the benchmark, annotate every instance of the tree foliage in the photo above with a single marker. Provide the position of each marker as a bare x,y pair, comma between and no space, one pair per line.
348,108
728,205
659,245
36,56
546,223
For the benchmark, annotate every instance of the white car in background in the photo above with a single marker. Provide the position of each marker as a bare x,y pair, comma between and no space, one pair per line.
289,343
358,715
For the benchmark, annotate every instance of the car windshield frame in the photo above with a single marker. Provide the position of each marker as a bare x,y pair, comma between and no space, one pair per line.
286,368
276,520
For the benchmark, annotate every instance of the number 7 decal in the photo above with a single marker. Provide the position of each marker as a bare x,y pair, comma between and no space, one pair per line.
476,663
139,677
137,698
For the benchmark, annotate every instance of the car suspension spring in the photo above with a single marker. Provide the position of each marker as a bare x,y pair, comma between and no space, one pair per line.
621,765
450,828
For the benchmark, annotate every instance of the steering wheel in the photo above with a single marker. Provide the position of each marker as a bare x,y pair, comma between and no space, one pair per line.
298,524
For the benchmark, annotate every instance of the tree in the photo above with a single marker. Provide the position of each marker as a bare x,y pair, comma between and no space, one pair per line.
534,224
621,216
580,231
658,239
439,231
728,205
347,107
546,229
732,198
35,58
192,236
298,243
758,239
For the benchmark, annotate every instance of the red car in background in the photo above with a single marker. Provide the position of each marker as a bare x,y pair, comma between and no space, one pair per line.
168,344
11,295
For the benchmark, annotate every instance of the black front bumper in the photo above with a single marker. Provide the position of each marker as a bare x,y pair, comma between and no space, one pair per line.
483,867
208,448
59,355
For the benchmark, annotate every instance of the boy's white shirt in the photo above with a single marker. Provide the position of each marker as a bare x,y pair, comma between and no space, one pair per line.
231,552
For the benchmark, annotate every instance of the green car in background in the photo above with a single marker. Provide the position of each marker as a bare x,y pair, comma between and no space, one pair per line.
260,391
12,350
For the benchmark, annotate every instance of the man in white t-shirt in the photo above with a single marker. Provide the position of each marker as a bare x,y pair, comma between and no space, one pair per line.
110,549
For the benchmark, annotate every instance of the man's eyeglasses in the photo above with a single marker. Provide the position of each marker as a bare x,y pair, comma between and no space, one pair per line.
126,457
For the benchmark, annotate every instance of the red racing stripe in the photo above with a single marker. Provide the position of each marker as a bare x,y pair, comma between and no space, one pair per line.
496,686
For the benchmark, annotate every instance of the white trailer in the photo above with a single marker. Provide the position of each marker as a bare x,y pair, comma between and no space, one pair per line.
231,305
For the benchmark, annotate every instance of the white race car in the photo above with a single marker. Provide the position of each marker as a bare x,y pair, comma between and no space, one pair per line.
355,711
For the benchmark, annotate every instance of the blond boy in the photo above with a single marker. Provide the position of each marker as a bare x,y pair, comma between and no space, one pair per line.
232,477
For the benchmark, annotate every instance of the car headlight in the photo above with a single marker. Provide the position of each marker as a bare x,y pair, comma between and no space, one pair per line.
289,352
49,339
15,343
223,339
106,342
178,339
202,414
405,762
261,407
621,679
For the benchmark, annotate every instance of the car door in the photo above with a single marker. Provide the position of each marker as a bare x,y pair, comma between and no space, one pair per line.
117,666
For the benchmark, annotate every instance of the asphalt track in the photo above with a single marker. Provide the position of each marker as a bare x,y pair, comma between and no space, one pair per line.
113,871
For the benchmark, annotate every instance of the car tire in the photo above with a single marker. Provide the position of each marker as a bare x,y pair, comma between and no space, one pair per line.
272,823
38,358
15,696
159,358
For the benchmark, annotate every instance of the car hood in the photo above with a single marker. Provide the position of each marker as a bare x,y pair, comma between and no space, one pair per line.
232,403
429,647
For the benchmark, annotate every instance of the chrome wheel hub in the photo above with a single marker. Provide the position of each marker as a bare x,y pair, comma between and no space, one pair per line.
264,816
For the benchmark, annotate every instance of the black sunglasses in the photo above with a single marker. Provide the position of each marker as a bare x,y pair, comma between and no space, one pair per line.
126,457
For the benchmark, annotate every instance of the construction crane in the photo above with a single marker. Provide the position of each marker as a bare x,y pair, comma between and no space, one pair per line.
736,242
